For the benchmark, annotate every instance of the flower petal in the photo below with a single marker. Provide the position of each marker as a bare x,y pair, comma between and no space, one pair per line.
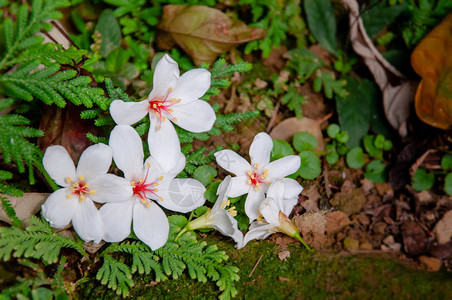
222,192
253,200
87,222
239,186
164,144
155,170
232,162
128,113
150,225
58,164
117,218
182,194
288,204
127,151
59,210
269,209
191,86
110,188
282,167
221,222
260,149
257,231
95,160
292,188
166,76
197,116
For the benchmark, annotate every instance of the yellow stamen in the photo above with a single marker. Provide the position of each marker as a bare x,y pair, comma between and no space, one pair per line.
155,183
156,190
148,165
68,179
160,177
256,188
163,119
174,119
148,204
87,185
143,200
154,106
160,104
69,196
160,198
256,165
92,192
179,100
249,181
159,127
82,197
81,178
249,172
257,183
170,110
170,89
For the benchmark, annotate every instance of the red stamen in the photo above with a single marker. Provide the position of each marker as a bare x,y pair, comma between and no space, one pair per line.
160,105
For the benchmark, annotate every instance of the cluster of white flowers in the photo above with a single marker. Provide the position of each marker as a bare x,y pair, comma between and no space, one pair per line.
127,201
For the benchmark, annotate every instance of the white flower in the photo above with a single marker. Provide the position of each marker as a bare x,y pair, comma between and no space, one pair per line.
150,223
255,178
219,217
174,99
81,186
274,210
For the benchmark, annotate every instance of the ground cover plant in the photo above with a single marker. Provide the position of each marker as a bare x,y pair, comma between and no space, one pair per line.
147,147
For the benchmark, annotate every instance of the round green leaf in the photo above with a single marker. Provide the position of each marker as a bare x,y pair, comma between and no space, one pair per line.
355,158
332,157
211,192
200,210
310,165
342,149
333,130
376,171
205,174
370,147
303,141
379,141
448,184
280,149
446,162
422,180
387,145
343,137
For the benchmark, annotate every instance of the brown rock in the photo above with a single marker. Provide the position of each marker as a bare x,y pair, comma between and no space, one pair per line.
335,221
414,238
380,228
26,206
365,245
443,229
312,228
351,244
430,263
424,197
349,203
442,250
283,255
363,219
383,188
367,185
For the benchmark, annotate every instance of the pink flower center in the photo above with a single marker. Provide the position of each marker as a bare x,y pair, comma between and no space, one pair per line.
256,178
79,188
162,105
141,187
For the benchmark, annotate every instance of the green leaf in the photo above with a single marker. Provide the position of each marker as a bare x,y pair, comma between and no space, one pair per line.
211,191
343,137
205,174
304,62
310,166
201,210
369,145
177,220
333,130
322,23
379,141
304,141
355,158
446,162
354,109
376,171
294,100
110,32
330,84
422,180
332,157
448,184
380,16
280,149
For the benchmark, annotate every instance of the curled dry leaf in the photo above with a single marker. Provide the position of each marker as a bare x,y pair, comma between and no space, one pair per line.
26,206
287,129
432,61
397,90
203,32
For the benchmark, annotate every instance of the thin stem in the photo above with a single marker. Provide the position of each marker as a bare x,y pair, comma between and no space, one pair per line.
297,235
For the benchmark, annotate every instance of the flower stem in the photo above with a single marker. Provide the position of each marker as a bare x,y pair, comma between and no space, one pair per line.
180,233
298,237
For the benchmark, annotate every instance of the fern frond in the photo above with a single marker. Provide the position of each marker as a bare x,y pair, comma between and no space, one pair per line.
37,241
116,275
10,211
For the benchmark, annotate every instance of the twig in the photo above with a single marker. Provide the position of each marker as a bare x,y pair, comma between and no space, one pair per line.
271,123
326,180
255,266
64,33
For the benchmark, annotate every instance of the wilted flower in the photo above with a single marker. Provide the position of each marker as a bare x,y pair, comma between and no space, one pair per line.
255,178
150,223
219,217
273,215
81,186
174,99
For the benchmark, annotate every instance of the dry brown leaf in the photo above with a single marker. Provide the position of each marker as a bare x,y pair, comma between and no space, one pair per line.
203,32
397,90
313,195
287,129
312,228
26,206
432,60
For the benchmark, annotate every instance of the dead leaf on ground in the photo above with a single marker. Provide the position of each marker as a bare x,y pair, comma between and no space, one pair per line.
431,59
26,206
335,221
349,202
203,32
312,194
397,90
287,129
312,228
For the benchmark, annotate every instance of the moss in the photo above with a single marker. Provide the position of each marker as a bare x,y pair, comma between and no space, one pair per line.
303,275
